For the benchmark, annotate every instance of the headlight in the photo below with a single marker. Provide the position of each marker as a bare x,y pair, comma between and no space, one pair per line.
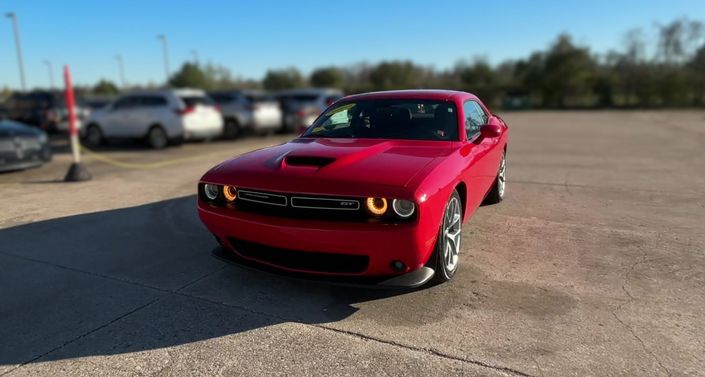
403,208
43,138
229,193
377,206
211,191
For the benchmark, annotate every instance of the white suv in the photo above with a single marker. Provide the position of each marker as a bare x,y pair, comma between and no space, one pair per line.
158,117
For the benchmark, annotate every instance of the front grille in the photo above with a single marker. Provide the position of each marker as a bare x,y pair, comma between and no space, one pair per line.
7,145
301,206
325,203
302,260
262,197
31,143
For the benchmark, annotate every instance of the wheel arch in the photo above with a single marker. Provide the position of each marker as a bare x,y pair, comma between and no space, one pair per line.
462,190
153,126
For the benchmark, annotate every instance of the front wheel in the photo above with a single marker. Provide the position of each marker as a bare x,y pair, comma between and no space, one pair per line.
232,129
93,136
447,250
496,193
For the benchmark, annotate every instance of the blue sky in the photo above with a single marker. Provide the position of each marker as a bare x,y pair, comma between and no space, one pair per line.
250,37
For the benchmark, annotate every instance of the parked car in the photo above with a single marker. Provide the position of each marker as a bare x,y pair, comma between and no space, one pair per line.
302,106
22,146
44,109
158,117
375,191
247,110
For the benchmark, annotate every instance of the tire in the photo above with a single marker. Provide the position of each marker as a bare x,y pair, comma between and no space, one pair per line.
232,129
157,138
93,136
499,186
46,154
447,249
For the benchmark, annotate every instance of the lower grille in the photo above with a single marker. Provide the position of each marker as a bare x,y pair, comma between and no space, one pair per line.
302,260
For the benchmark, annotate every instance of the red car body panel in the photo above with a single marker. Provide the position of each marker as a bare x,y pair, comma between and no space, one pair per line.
426,172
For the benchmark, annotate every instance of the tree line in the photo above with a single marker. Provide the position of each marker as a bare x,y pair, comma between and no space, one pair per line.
666,70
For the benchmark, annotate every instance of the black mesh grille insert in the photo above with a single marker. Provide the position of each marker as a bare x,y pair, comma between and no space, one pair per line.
302,260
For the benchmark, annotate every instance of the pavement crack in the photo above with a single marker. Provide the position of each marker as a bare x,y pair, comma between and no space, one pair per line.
133,311
431,351
196,280
627,276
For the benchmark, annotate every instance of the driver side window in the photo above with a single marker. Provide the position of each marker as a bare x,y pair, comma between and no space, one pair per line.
475,118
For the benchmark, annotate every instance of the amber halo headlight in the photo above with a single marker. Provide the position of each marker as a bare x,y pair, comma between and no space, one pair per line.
377,206
229,193
210,191
403,208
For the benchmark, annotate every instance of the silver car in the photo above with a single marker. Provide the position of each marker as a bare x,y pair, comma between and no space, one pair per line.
302,106
247,110
158,117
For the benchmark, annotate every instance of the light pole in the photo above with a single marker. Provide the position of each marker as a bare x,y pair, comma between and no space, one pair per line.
195,56
121,70
16,29
51,73
165,46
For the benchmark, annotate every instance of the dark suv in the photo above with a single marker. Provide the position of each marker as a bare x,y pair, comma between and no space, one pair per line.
45,110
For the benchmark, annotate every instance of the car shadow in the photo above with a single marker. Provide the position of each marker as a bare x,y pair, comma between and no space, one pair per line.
140,278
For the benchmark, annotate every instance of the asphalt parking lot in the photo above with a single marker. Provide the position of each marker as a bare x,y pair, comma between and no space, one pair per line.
593,265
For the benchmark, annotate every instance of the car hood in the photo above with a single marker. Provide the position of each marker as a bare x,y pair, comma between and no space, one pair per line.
9,128
306,164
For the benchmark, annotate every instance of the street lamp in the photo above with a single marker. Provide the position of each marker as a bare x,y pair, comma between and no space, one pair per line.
121,70
165,46
13,17
51,73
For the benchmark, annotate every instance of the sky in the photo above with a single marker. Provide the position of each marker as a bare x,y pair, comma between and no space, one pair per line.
249,37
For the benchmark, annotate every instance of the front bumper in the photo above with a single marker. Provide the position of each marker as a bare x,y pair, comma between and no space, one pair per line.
20,159
408,280
379,244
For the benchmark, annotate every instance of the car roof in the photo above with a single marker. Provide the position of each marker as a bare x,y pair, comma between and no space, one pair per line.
239,91
430,94
178,92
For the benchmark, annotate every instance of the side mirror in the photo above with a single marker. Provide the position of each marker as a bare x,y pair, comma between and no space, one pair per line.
492,129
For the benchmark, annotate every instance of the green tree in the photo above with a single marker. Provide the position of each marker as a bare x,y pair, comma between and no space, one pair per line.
568,73
397,75
190,75
697,66
283,79
327,77
479,78
105,87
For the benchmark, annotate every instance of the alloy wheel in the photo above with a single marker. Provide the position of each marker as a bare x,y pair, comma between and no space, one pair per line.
502,177
452,229
157,138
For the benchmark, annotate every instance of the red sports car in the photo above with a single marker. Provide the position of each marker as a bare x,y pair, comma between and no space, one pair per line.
375,191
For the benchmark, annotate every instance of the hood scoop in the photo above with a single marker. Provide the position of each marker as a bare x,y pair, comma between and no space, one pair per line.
312,161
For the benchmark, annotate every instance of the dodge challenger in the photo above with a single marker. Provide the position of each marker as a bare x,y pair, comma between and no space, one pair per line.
375,191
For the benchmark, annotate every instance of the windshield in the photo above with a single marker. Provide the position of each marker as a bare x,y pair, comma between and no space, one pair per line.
388,119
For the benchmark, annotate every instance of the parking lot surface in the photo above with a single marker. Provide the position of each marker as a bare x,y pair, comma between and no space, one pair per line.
593,265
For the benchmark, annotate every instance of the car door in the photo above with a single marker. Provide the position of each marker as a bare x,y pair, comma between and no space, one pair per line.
148,110
481,170
115,122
